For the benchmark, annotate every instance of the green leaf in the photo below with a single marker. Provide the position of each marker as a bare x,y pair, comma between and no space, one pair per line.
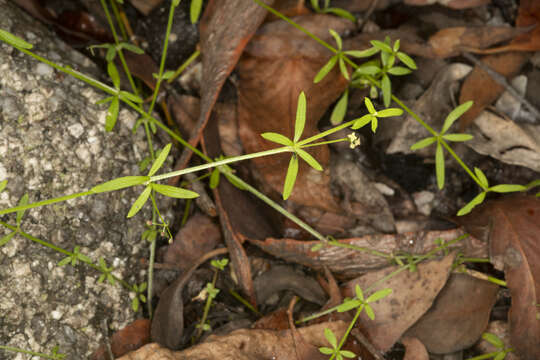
338,114
386,88
369,312
325,69
315,5
14,40
455,114
348,354
3,185
65,261
374,123
174,192
399,70
493,339
359,293
378,295
175,3
235,183
112,114
381,46
458,137
133,48
369,105
533,184
113,74
348,305
290,178
138,204
506,188
326,350
5,239
368,70
364,120
214,179
362,53
277,138
111,53
160,159
343,68
337,38
331,337
389,112
23,201
195,10
423,143
104,101
390,62
135,303
119,183
439,165
131,97
300,117
309,159
395,48
500,356
478,199
341,13
481,177
406,59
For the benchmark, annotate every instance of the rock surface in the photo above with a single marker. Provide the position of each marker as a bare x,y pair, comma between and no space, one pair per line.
53,143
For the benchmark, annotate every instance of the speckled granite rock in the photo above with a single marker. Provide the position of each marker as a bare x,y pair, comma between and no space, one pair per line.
52,143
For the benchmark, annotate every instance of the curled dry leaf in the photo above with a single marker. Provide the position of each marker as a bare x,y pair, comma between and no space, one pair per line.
412,295
348,263
414,349
130,338
244,344
458,316
513,228
507,141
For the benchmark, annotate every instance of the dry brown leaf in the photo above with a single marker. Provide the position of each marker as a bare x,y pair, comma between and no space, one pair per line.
458,317
451,41
197,237
513,228
277,65
244,344
412,295
453,4
130,338
349,263
414,349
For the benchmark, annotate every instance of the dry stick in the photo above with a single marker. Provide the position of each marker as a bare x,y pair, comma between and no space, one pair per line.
501,80
368,13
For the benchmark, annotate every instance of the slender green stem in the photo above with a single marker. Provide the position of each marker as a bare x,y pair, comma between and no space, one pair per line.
163,56
221,162
326,133
186,63
119,20
33,353
244,302
326,142
45,202
463,165
349,329
361,249
63,251
207,306
119,50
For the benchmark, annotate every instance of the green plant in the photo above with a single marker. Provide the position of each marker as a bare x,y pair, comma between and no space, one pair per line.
494,340
210,292
326,9
54,355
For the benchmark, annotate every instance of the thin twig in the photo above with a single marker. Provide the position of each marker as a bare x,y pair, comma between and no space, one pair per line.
501,80
368,13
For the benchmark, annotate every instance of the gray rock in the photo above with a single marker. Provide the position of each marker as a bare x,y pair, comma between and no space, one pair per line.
53,143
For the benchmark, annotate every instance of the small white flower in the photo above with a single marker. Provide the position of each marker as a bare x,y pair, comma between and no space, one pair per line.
355,141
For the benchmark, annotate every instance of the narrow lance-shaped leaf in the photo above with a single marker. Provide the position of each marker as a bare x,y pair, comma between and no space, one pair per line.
481,177
277,138
329,335
325,69
133,48
125,95
389,112
173,191
364,120
369,312
112,114
341,13
439,165
374,123
300,117
406,59
141,200
399,70
343,68
478,199
195,10
20,213
337,38
458,137
309,159
3,185
338,114
386,88
5,239
368,70
160,159
423,143
378,295
14,40
455,114
119,183
113,73
369,105
362,53
290,178
382,46
506,188
214,179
